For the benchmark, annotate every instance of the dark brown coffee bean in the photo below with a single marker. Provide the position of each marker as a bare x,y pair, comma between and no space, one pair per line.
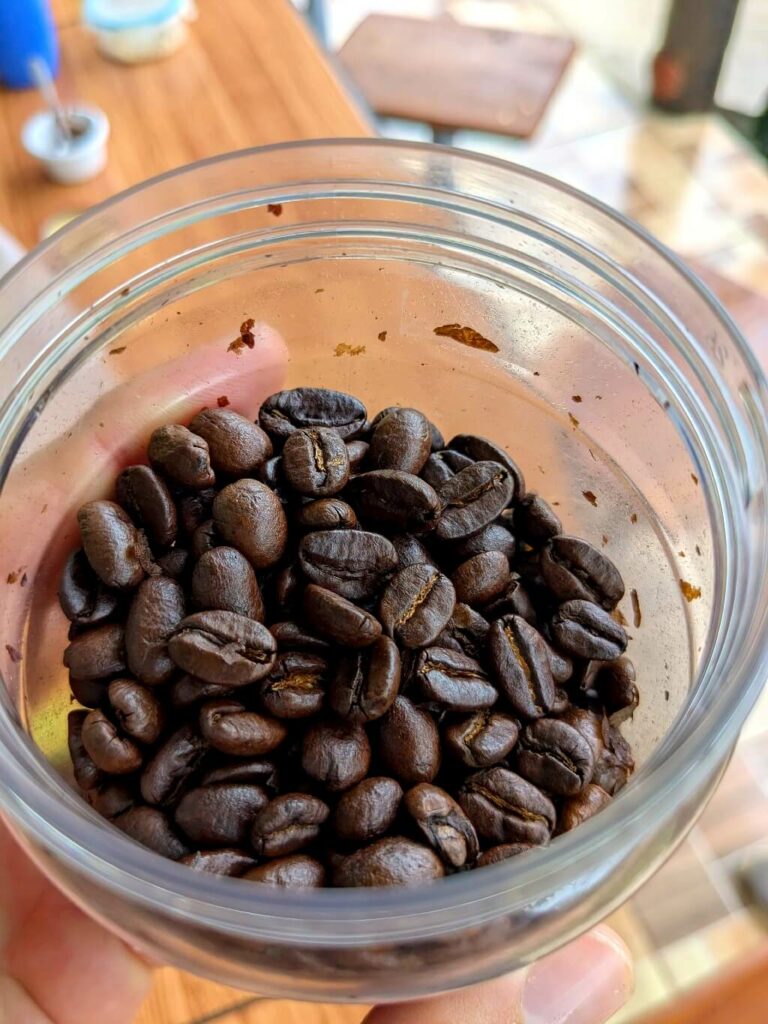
453,681
393,860
410,551
237,446
249,516
445,826
83,597
534,520
483,738
465,631
337,619
181,455
586,630
352,563
316,462
174,563
562,702
224,580
578,809
151,828
287,824
520,664
615,686
326,514
505,808
286,411
480,449
137,710
493,537
615,765
473,499
574,570
442,465
514,601
357,452
555,756
366,683
176,761
336,753
146,498
503,852
87,775
111,799
204,538
91,693
224,648
295,688
401,440
297,871
228,727
560,664
290,636
195,509
394,500
113,753
288,588
271,474
220,862
97,653
368,810
221,814
409,743
155,612
416,605
591,726
481,578
255,771
112,544
189,690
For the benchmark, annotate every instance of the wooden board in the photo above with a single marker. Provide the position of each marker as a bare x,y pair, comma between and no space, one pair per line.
453,75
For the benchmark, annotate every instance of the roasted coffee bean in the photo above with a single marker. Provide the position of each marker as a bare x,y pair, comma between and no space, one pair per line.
480,449
237,446
535,521
506,809
586,630
83,597
494,537
297,871
352,563
220,862
574,570
520,664
113,753
112,544
562,702
181,455
204,538
111,799
255,771
560,664
316,462
220,814
481,578
357,452
368,810
249,516
97,653
410,550
224,580
155,612
579,808
150,827
515,600
230,728
453,681
394,500
336,753
290,636
271,474
287,824
174,563
443,823
442,465
401,440
416,605
436,437
592,727
87,775
326,514
91,693
615,764
503,852
393,860
473,499
366,683
137,710
286,411
337,619
195,509
288,588
409,743
172,765
146,498
295,688
466,631
482,739
189,690
555,756
615,686
224,648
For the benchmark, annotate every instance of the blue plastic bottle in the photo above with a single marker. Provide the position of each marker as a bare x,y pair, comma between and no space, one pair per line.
26,31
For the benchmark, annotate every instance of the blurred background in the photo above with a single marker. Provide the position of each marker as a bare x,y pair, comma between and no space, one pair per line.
657,107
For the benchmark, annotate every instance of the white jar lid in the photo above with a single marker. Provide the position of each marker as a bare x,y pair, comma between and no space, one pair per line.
115,15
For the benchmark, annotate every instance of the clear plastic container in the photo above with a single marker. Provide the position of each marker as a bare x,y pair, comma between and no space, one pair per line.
617,374
133,31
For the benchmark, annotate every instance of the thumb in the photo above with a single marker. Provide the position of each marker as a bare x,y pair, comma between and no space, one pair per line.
586,982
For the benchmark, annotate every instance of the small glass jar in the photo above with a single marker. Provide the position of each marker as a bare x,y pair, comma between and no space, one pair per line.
619,384
134,31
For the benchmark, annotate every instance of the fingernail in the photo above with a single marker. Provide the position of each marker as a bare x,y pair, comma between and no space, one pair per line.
584,983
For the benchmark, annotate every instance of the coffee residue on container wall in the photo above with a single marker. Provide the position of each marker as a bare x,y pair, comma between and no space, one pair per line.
591,497
343,349
636,613
466,336
246,339
690,593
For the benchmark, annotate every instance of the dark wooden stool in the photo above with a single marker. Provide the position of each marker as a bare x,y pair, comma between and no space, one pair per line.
455,76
